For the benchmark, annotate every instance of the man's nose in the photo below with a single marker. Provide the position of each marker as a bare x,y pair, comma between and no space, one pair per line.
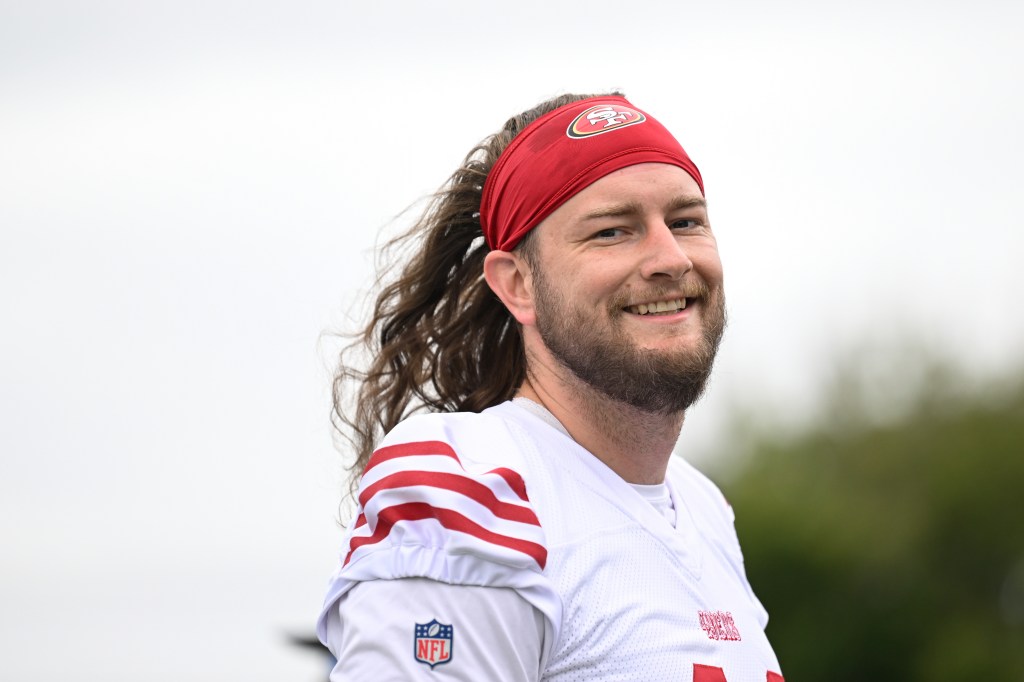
665,255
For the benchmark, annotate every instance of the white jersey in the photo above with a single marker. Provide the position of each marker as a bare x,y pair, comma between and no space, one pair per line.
501,516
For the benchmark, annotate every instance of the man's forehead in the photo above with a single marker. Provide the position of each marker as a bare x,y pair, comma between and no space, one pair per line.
636,189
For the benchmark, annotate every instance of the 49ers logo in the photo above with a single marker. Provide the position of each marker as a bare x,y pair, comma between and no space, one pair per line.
603,118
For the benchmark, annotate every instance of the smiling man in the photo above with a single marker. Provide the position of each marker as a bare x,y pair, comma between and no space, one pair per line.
560,314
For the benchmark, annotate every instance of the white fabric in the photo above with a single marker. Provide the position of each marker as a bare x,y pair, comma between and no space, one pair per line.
434,478
659,497
542,413
621,593
504,642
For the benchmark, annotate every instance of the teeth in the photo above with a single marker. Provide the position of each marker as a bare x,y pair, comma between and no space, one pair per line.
659,307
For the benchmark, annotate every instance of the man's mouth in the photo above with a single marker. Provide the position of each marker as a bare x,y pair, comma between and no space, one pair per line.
659,307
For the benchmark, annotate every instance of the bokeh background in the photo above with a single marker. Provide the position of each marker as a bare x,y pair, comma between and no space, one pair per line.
191,195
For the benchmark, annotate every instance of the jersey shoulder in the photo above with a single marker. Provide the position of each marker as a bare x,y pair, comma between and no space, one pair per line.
446,485
699,490
442,498
710,510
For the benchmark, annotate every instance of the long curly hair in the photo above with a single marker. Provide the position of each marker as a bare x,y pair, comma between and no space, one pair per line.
438,339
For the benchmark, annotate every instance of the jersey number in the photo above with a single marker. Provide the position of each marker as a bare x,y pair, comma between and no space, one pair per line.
709,673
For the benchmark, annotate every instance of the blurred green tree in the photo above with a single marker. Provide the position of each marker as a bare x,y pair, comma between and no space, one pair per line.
892,548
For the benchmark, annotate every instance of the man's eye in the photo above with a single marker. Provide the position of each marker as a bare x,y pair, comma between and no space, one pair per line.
608,233
684,224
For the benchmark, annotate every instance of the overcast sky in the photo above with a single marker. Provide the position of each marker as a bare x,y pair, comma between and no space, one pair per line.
191,195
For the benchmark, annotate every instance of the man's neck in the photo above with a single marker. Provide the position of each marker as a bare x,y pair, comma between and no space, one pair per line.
635,444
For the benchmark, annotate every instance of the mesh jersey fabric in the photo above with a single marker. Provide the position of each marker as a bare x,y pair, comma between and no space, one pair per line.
624,595
497,634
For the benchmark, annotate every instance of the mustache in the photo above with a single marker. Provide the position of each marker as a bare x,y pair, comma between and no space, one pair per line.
691,288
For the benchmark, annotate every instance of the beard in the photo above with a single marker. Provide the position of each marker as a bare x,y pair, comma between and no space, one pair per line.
609,361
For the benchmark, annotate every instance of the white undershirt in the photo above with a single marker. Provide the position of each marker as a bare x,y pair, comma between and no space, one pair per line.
659,497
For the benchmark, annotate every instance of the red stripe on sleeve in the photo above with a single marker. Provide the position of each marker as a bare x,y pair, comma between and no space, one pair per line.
452,520
426,447
514,480
456,483
436,447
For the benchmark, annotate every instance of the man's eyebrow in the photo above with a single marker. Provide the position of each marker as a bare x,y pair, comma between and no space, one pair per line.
687,202
614,210
633,207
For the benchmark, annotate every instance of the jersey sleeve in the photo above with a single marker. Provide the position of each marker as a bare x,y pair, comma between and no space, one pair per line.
490,633
432,505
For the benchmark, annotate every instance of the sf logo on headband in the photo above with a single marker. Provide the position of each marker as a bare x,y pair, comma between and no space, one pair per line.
603,118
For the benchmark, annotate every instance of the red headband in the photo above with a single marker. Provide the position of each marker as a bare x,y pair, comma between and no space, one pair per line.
564,151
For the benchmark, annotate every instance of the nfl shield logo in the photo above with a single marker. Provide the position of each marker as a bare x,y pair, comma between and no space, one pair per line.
433,643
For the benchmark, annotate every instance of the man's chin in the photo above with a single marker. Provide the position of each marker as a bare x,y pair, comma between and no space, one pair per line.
676,348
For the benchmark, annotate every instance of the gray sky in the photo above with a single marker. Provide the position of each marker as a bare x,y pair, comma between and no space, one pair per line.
192,192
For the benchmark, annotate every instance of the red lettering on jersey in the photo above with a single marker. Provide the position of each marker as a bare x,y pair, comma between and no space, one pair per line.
775,677
423,651
719,625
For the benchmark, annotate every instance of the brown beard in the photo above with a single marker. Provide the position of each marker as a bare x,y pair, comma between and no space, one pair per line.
657,382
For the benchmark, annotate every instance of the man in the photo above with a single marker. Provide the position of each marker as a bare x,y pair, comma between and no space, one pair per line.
561,313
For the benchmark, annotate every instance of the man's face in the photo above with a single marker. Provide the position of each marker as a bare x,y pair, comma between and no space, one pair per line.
628,287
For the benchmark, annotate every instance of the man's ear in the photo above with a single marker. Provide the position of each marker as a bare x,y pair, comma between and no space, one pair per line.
509,277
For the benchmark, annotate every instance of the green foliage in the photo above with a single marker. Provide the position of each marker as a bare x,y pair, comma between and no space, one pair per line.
892,550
